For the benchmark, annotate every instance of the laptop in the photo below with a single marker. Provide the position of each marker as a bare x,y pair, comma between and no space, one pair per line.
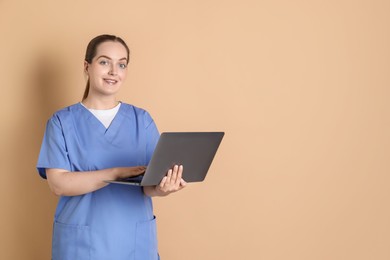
194,150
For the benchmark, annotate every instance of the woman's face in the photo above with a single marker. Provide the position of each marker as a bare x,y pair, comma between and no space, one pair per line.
108,69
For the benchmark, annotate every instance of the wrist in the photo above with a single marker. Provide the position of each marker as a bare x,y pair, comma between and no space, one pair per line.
114,173
153,191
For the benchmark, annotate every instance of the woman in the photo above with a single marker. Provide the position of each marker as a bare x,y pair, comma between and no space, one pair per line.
102,139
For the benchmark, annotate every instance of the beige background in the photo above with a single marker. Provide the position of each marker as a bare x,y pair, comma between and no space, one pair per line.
301,89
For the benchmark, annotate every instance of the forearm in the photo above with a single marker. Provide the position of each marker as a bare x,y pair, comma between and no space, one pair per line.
64,183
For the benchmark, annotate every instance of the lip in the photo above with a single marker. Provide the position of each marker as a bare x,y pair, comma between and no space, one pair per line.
110,81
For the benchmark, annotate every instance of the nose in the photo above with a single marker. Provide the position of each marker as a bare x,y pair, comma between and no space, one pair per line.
112,70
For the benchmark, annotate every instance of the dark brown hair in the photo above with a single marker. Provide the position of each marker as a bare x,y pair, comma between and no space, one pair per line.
92,48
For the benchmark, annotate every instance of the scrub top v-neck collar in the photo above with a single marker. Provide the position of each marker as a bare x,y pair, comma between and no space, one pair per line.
113,128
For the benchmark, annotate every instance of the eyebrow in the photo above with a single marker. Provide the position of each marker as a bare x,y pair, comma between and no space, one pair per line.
104,56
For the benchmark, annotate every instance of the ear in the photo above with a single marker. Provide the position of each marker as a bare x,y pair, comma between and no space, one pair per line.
86,65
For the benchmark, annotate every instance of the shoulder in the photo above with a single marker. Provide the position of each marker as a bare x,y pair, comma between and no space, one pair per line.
137,112
66,112
128,108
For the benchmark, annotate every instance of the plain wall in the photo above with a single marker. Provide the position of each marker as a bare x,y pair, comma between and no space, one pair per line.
301,89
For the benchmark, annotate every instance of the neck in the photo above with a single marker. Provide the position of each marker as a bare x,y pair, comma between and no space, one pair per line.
101,103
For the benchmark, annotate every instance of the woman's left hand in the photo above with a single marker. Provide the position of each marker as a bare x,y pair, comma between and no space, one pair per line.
172,182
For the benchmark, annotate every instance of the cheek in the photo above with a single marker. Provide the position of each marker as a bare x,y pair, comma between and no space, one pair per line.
123,74
95,73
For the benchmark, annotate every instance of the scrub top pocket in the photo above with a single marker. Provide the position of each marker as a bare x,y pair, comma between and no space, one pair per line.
70,242
146,241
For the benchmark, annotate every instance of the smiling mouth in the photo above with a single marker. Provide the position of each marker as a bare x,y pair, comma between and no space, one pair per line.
111,81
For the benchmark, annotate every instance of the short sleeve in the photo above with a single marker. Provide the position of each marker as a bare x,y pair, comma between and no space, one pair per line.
152,136
53,153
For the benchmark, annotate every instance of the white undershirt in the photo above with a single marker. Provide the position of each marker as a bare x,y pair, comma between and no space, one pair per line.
105,116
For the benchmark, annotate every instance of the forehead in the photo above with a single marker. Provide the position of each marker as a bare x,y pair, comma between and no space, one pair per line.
113,50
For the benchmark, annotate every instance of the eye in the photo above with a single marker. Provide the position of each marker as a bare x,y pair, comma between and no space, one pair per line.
122,65
103,62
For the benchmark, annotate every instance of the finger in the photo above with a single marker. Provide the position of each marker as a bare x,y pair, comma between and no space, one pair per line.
169,176
174,174
181,186
179,175
163,181
141,170
138,170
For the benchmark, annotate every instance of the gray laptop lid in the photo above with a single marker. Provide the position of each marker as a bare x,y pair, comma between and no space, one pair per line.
194,150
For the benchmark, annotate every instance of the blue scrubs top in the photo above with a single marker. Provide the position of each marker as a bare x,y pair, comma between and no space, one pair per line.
117,221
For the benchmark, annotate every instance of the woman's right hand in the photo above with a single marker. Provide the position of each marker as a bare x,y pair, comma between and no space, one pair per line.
126,172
